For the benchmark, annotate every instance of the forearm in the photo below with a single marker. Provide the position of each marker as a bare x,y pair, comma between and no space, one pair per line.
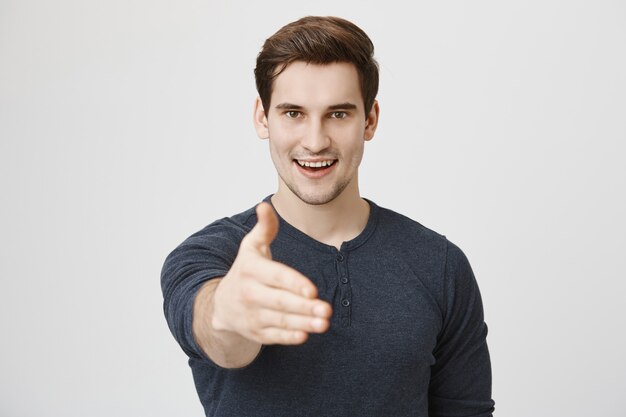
227,349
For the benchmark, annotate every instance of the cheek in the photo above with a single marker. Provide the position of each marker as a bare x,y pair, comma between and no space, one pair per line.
358,154
280,149
348,132
283,135
354,139
278,160
358,146
275,149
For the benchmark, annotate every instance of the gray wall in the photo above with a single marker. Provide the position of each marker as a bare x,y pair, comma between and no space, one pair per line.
126,126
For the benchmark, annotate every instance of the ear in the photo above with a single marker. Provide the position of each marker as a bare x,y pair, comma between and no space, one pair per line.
371,122
260,120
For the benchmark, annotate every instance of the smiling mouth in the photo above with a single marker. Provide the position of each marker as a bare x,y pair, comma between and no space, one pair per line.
315,165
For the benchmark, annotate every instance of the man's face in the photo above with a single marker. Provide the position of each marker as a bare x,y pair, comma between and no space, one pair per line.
317,128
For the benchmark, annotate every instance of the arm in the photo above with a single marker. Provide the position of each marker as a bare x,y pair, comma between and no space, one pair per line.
254,301
461,376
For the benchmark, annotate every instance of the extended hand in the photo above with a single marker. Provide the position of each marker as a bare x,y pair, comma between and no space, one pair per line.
267,301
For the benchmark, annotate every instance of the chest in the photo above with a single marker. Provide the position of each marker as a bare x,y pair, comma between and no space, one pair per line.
382,305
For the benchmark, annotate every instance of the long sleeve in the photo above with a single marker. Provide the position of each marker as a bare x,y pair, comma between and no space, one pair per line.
460,384
205,255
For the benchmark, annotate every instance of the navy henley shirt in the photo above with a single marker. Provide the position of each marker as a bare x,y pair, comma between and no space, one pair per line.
407,336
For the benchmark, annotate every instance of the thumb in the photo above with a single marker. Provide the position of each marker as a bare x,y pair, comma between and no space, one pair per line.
265,230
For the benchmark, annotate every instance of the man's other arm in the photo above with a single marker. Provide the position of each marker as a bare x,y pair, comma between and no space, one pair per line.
460,382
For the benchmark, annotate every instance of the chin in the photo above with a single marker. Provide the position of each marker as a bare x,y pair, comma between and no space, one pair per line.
318,198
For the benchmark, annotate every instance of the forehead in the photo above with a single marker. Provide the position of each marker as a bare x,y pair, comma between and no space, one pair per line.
314,85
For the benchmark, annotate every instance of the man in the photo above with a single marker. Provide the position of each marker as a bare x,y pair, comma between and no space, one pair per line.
319,302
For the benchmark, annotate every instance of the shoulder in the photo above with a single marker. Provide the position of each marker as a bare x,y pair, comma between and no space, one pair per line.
406,234
407,231
220,238
235,226
440,264
429,250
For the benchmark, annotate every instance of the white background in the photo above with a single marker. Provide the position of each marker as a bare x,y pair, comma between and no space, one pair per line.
125,126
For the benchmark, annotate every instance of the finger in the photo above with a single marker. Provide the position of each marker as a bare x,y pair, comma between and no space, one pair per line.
278,275
275,336
286,302
286,321
265,230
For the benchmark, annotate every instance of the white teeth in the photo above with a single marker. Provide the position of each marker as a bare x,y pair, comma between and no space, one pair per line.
318,164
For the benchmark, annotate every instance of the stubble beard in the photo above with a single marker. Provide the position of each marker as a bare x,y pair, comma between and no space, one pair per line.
314,199
318,199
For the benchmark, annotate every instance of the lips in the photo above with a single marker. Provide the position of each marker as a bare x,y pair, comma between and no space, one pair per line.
315,169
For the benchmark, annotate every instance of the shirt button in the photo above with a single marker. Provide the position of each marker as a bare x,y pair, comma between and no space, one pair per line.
345,303
339,257
344,280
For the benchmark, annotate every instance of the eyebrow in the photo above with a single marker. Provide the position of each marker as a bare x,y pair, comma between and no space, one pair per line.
340,106
343,106
288,106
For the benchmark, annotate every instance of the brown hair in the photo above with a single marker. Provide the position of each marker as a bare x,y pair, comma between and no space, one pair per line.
317,40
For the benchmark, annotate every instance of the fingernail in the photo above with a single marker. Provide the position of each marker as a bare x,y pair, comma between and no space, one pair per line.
307,292
318,323
319,310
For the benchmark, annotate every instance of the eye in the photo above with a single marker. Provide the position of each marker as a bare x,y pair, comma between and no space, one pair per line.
339,115
292,114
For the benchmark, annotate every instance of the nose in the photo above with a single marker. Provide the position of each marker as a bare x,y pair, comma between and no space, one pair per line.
315,139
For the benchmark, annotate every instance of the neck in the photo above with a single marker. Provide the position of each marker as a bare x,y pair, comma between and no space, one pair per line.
333,223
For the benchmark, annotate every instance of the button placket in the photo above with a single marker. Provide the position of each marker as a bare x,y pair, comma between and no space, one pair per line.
345,291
